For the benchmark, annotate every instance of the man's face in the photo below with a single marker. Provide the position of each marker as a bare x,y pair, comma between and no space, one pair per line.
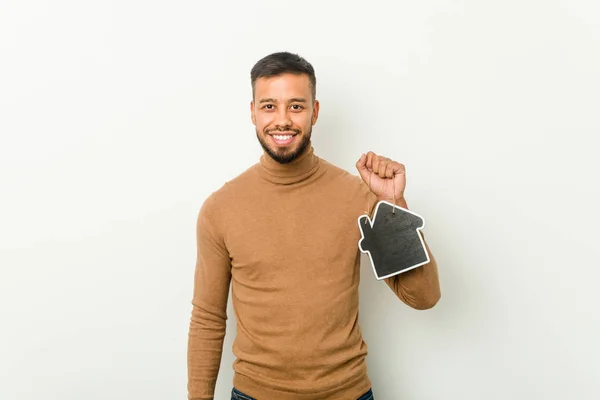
283,112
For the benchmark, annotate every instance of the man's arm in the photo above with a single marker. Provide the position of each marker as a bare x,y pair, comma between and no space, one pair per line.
418,288
212,278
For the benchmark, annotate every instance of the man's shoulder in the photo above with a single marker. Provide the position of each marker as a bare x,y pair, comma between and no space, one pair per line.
247,178
231,190
346,186
342,176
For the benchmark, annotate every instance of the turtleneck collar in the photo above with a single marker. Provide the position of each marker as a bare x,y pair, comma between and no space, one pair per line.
285,174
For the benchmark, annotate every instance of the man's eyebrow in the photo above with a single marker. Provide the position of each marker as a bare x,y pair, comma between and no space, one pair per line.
292,100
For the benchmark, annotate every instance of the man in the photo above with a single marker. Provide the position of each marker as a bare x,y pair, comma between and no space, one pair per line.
284,233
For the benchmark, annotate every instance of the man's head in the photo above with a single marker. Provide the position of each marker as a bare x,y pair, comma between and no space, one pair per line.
284,106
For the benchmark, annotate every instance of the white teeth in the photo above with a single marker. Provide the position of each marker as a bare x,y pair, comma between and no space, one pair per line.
282,137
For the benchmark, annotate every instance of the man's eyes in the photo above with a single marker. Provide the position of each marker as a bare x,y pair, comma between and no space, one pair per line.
294,107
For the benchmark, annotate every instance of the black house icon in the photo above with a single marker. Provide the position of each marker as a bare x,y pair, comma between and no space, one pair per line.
392,240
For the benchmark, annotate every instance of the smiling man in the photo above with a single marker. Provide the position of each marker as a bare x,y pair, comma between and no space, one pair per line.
284,111
283,235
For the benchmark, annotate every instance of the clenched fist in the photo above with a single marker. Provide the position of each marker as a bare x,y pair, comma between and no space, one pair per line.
386,178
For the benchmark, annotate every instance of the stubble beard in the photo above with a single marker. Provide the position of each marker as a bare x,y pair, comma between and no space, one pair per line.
284,156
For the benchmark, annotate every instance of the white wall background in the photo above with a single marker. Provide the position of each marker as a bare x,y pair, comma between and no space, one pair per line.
118,118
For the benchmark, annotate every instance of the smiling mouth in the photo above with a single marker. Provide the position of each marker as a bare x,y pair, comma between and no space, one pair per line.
283,139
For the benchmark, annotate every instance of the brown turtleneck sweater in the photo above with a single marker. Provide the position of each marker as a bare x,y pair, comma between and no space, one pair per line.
286,238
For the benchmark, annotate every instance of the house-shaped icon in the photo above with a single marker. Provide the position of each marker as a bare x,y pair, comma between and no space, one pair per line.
392,240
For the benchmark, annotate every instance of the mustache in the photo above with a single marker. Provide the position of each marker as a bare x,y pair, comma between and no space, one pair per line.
296,131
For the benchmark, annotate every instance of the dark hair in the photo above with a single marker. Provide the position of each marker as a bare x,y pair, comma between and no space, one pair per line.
280,63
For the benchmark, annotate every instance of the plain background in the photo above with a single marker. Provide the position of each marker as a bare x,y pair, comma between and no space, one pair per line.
118,118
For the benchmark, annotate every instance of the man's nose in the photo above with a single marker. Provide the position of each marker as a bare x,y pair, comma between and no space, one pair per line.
283,118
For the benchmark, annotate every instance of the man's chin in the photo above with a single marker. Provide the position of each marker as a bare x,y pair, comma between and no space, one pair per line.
285,154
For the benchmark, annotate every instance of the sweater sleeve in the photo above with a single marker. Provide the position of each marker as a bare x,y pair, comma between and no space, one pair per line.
212,278
418,288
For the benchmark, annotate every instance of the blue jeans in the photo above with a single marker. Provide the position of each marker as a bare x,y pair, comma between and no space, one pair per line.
237,395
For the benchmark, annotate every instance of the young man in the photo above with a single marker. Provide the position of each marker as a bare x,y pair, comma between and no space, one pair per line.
284,234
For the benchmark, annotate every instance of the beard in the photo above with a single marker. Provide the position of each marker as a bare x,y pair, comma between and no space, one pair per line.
284,156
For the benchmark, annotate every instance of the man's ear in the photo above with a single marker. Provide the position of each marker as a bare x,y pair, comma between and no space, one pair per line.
252,113
315,114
